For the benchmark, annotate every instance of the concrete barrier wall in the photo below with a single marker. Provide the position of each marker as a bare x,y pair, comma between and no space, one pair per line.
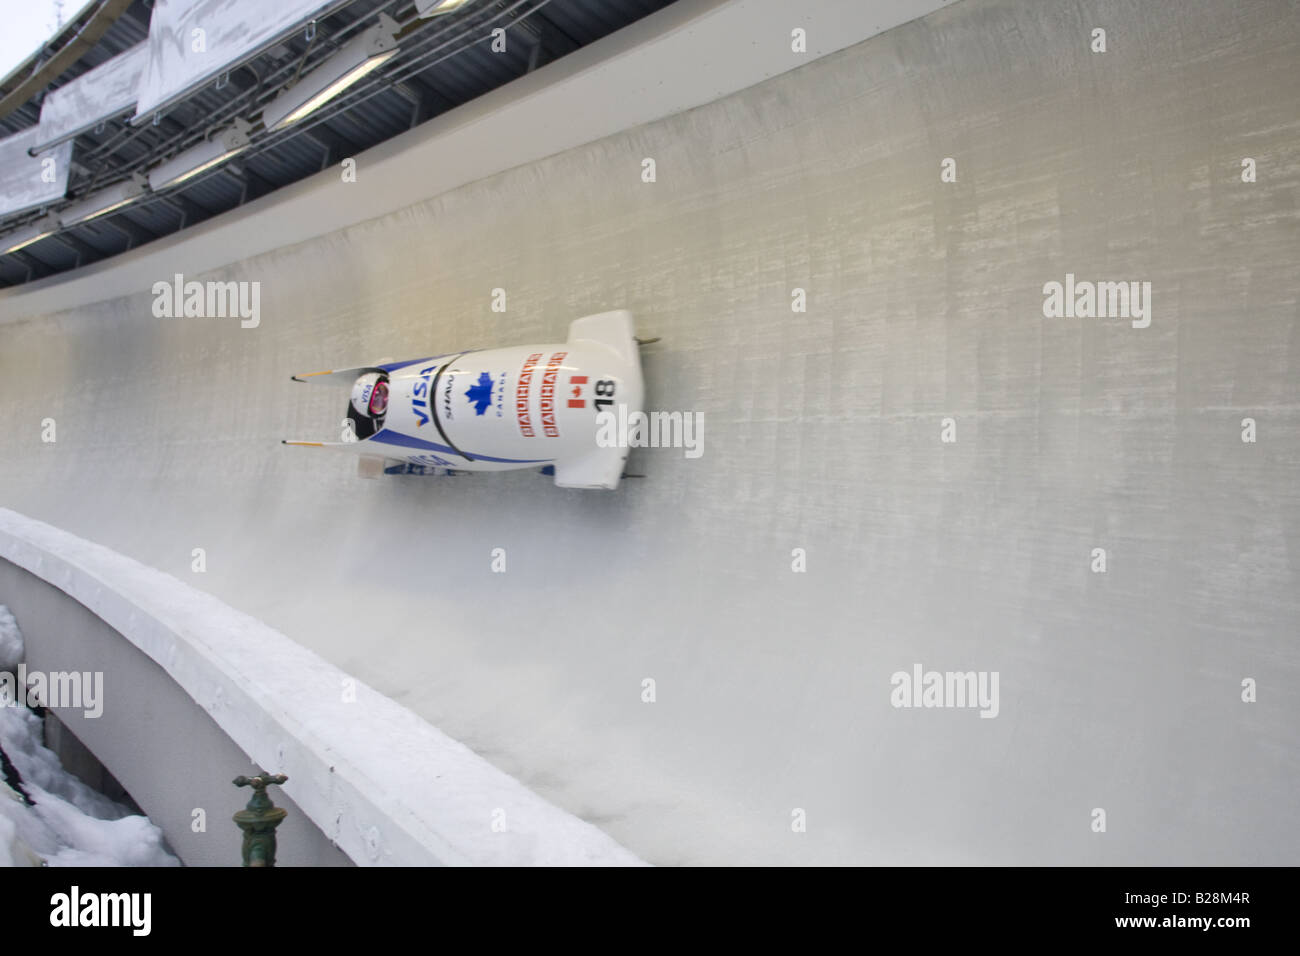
169,755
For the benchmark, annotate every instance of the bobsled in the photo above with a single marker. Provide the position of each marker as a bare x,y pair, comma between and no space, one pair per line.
528,406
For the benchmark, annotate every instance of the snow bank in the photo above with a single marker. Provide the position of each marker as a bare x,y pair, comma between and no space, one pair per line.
11,641
384,785
70,824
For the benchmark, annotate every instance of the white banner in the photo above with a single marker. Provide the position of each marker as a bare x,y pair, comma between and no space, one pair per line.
192,42
100,94
30,181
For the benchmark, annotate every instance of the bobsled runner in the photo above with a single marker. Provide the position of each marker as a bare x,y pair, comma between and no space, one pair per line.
529,406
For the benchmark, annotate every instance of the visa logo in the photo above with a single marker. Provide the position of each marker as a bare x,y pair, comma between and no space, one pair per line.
420,396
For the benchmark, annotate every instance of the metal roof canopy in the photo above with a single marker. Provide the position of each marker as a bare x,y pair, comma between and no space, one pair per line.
443,62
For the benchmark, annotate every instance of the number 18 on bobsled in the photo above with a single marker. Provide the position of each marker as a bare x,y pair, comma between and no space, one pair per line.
528,406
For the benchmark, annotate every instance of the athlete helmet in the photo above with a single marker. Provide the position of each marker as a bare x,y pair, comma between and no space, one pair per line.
370,395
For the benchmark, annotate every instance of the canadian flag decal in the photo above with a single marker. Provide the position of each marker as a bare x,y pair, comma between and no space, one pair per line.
575,391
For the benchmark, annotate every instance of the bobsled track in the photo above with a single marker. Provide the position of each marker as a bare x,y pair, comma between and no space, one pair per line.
1119,690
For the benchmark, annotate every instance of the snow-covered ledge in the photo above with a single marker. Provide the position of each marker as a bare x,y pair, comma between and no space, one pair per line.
383,784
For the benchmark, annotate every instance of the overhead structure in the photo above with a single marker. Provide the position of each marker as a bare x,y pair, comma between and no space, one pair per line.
103,202
22,238
121,142
360,57
192,42
201,158
433,8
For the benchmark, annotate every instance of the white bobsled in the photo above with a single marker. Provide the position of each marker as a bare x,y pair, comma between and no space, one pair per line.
529,406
